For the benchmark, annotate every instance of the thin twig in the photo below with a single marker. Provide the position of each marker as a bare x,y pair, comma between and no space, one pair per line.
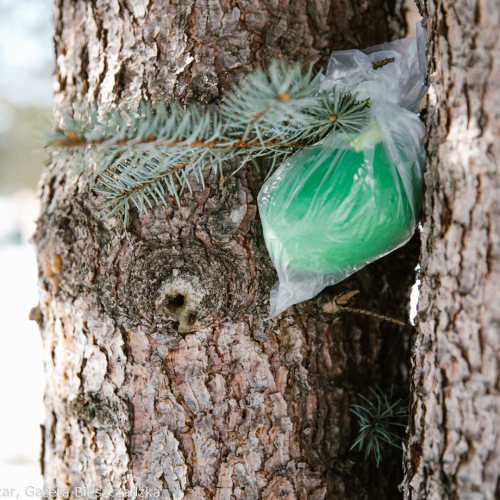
375,315
383,62
199,143
338,304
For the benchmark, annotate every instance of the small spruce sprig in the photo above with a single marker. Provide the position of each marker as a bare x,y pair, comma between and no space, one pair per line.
380,422
142,156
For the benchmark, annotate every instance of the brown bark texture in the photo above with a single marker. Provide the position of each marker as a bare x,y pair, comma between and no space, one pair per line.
454,445
161,371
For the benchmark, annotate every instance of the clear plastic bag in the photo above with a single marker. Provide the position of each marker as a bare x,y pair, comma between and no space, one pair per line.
333,208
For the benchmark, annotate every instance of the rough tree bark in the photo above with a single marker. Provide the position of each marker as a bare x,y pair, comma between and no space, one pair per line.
161,372
454,445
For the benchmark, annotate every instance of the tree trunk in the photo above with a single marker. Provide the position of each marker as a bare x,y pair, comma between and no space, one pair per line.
161,372
454,446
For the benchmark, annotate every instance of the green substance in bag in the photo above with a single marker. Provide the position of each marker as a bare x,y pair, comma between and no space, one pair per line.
337,210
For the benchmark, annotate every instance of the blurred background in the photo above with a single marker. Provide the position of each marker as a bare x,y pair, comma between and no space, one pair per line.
26,67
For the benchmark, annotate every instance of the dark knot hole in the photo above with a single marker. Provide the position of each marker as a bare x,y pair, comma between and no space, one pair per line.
175,303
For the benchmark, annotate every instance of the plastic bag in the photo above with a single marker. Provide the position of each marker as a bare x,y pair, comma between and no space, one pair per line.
333,208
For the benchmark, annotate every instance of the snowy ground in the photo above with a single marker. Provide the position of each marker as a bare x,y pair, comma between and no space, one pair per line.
21,373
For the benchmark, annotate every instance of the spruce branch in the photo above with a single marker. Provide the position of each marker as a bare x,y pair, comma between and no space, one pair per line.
380,422
141,156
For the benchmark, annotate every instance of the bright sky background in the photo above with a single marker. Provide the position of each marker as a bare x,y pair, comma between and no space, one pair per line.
26,52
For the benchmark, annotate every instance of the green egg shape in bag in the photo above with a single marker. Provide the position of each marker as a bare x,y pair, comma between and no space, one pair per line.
332,210
337,205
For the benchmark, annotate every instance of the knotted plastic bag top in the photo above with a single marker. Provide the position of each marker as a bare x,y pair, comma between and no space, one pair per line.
401,80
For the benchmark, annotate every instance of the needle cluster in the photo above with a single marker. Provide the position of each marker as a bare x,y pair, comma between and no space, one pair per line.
381,422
